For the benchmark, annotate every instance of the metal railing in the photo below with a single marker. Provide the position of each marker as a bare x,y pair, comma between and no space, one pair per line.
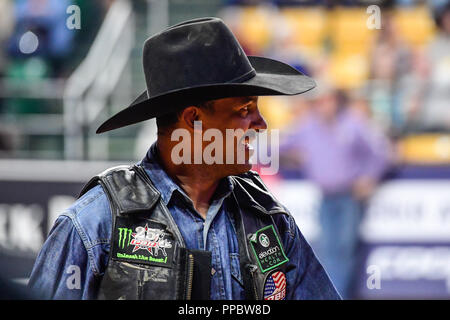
91,87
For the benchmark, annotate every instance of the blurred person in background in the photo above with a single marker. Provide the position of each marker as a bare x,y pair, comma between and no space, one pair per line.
390,85
434,105
339,152
46,19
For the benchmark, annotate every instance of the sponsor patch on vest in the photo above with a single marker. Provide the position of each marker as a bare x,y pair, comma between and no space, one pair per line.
275,286
145,242
268,249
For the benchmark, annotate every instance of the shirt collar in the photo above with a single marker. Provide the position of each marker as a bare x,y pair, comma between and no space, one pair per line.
166,186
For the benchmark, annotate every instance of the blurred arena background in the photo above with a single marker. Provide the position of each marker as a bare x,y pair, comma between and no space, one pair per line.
60,80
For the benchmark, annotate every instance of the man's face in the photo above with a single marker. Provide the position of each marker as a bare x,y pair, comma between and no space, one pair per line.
327,106
234,118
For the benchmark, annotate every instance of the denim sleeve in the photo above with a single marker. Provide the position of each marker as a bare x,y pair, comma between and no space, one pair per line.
62,269
307,280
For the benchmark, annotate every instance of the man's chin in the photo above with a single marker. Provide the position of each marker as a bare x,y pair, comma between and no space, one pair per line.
239,169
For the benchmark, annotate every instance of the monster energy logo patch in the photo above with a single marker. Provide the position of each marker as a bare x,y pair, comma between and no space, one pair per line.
143,241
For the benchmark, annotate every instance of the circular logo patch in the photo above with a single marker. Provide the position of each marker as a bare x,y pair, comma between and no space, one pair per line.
275,286
264,240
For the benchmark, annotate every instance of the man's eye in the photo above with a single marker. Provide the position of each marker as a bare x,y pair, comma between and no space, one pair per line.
244,111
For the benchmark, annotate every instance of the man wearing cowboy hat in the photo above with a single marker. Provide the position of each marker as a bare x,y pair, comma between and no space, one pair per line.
190,230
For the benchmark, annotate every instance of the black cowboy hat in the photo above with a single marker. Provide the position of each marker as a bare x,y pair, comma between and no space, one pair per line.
200,60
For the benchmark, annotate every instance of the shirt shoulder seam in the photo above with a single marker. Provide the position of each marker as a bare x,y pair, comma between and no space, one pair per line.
87,245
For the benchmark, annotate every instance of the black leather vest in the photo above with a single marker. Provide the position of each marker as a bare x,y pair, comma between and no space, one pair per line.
148,258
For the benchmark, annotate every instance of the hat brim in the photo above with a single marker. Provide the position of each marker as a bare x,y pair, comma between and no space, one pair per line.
272,78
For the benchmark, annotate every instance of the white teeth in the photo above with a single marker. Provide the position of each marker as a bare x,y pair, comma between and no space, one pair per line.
246,141
248,146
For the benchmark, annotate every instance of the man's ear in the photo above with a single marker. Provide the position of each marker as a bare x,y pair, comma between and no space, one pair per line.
189,115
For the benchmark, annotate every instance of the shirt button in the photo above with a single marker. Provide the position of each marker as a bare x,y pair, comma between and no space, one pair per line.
213,271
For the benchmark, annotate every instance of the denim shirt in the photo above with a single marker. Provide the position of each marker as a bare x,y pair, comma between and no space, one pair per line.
74,257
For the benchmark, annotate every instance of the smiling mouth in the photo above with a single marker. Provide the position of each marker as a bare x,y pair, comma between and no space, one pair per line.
247,139
247,144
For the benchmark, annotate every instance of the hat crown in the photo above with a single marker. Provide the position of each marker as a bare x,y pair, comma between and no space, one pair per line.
194,53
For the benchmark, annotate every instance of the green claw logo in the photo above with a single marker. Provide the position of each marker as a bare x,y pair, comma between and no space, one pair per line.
124,233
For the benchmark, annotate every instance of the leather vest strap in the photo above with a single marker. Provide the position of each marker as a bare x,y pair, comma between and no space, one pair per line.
247,226
148,258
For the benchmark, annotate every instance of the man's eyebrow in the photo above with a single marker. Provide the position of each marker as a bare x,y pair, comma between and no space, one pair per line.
246,100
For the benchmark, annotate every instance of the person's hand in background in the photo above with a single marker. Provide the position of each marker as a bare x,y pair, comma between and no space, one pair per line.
363,187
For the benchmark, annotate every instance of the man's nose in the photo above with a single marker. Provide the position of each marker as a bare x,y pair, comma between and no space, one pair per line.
258,123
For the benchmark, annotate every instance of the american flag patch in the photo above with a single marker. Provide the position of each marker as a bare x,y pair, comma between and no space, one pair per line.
275,286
